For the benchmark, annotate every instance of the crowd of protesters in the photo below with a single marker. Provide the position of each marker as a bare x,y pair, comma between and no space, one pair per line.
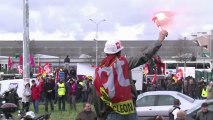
197,89
49,91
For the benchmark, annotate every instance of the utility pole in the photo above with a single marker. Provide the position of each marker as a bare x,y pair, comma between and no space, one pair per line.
211,43
26,67
96,39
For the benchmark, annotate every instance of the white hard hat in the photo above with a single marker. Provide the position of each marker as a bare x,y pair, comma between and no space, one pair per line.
113,46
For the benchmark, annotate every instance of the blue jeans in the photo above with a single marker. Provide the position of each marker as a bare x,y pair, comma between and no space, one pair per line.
36,105
116,116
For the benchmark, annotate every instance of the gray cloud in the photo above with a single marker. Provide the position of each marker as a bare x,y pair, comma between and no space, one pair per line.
66,15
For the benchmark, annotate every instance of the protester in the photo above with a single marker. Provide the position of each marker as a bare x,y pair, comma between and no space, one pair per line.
204,93
210,91
61,95
26,97
114,87
35,96
84,95
204,114
66,62
13,96
79,88
89,92
174,110
87,113
48,89
72,94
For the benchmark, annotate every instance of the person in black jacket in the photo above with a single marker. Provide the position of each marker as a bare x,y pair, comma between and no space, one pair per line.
66,62
48,89
13,97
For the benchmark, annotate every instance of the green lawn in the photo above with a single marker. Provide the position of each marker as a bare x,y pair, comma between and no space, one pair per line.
58,115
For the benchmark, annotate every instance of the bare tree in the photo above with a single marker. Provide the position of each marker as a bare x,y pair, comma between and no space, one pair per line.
183,51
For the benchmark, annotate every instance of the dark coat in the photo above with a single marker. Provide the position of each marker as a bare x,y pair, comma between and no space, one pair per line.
204,116
48,89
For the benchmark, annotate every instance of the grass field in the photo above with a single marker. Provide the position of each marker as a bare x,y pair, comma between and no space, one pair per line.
59,115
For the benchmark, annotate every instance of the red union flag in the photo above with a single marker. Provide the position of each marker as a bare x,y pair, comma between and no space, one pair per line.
112,84
32,63
20,71
10,63
40,69
20,59
47,69
146,69
178,75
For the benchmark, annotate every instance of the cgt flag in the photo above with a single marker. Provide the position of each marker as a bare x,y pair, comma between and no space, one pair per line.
178,75
112,84
47,68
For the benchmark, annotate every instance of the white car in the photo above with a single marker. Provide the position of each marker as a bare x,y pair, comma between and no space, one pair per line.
150,104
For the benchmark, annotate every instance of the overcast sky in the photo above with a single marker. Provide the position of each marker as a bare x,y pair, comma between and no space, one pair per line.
125,19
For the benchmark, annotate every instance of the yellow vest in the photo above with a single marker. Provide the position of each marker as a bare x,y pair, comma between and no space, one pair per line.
204,93
61,89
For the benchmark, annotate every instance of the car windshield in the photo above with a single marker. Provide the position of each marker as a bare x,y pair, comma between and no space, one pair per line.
186,97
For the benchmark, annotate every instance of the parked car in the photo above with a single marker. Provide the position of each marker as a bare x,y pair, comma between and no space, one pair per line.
191,113
150,104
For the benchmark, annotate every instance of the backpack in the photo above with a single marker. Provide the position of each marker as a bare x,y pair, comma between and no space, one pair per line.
171,116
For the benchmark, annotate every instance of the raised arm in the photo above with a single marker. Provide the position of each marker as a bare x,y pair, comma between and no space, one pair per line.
142,58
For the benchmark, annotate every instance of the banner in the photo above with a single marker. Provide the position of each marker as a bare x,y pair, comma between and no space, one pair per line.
85,69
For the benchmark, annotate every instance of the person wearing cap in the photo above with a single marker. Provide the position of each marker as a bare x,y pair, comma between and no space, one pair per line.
114,91
204,114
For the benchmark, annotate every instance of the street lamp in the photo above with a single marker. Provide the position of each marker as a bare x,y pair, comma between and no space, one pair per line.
96,39
26,68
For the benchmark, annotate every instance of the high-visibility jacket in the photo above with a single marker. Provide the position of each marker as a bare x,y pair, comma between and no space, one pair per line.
61,89
204,92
